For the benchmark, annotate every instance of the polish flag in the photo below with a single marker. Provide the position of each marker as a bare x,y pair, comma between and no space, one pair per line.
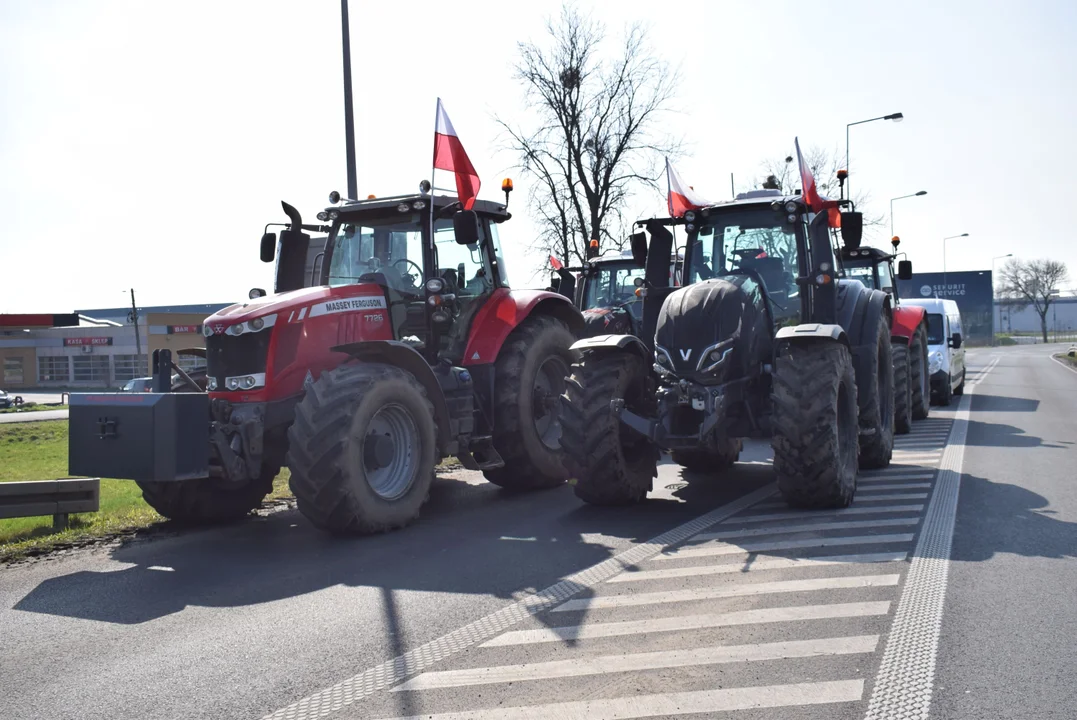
555,263
681,197
449,155
807,182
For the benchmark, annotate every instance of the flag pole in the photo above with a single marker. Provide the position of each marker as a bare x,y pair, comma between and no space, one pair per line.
432,171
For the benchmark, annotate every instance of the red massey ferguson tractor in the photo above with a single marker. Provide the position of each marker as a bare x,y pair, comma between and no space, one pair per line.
389,344
908,334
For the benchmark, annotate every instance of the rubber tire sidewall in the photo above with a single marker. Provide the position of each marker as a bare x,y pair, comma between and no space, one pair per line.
921,391
902,389
877,448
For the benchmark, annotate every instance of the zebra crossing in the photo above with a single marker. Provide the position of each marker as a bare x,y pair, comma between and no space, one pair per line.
767,610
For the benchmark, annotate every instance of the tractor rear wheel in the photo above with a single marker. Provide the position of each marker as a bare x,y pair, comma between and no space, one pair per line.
815,424
208,501
529,380
362,449
612,464
710,461
902,389
875,395
921,380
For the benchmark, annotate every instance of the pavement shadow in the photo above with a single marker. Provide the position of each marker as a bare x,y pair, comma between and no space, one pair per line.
995,517
467,528
986,434
1003,403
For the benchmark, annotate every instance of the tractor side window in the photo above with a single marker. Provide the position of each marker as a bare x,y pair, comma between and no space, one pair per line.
461,266
886,282
391,253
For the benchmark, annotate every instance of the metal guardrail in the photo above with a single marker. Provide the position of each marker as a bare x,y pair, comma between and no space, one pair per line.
58,498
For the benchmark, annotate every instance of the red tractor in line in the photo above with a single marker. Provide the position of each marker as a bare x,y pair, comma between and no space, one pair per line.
392,341
908,331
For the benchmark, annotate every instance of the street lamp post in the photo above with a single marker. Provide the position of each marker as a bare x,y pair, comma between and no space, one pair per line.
349,122
896,117
999,328
944,256
915,194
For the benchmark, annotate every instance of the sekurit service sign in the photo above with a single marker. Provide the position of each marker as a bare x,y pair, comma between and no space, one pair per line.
972,291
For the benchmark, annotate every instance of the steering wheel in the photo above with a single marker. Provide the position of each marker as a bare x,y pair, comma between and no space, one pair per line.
419,270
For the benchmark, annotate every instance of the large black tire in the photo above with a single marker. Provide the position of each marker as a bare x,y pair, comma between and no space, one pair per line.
875,395
343,481
707,461
207,501
921,380
902,389
815,424
945,394
612,464
529,380
960,389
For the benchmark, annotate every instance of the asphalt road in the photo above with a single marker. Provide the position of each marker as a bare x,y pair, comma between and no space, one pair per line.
709,598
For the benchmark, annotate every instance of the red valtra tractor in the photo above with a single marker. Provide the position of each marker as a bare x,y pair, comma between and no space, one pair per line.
908,333
393,342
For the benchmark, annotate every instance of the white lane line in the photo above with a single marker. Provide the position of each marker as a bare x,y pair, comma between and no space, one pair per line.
906,676
809,514
718,549
810,527
896,486
589,631
353,689
742,590
891,478
639,662
707,702
858,502
1064,364
766,563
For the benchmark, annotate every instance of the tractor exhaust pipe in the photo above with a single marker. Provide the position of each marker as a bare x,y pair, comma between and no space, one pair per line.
293,216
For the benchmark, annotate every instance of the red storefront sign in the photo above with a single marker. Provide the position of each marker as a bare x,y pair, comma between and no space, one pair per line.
184,329
78,341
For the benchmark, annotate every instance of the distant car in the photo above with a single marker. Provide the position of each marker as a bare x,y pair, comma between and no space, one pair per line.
138,385
8,401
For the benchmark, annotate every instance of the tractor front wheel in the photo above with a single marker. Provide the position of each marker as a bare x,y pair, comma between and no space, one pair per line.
875,394
612,464
902,389
815,424
362,449
529,379
921,380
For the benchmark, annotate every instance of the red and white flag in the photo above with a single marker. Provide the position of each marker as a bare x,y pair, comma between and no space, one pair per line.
682,198
807,182
555,263
449,155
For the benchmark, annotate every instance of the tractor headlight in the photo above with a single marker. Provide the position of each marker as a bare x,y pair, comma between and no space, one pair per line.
435,285
232,383
245,382
236,329
791,208
418,205
712,359
257,324
211,384
661,357
207,330
690,216
403,207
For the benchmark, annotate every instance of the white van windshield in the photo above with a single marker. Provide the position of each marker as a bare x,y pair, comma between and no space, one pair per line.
936,332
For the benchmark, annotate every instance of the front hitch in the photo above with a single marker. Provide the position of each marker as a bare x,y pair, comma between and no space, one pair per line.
650,429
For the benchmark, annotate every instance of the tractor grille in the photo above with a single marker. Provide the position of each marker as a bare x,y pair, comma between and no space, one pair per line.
232,355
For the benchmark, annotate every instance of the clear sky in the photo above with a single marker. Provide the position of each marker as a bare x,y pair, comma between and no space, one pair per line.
145,144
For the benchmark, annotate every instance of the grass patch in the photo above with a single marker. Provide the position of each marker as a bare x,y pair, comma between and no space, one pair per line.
1004,340
31,407
1071,360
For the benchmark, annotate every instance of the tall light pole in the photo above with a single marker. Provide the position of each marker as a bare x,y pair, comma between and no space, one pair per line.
896,117
133,317
915,194
1000,257
349,122
944,256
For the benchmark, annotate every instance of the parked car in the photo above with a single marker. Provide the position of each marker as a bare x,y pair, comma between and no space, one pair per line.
8,401
946,348
142,384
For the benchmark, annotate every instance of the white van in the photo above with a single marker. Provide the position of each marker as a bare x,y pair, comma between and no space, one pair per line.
945,348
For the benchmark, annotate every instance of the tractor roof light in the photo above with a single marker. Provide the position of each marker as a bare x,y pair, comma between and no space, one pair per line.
690,216
506,185
323,216
403,207
895,241
418,205
791,207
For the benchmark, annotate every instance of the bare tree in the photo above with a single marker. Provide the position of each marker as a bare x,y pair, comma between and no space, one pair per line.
1033,282
784,174
593,137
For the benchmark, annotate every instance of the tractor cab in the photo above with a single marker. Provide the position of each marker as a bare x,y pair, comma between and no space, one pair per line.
875,268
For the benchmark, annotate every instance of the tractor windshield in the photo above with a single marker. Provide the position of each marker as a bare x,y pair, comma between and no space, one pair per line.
391,249
755,241
861,272
865,272
612,284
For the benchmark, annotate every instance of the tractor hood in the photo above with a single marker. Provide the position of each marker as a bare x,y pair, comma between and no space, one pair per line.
708,330
292,301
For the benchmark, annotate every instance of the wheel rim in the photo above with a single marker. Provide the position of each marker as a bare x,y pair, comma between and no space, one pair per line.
390,452
546,400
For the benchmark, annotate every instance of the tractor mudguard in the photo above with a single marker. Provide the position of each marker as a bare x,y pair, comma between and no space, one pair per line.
860,309
907,318
600,343
405,357
504,311
814,331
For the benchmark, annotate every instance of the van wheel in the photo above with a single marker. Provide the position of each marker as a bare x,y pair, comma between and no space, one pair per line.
960,389
946,394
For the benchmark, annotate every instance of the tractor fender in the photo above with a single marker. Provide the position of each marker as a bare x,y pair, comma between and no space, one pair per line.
907,318
405,357
860,310
503,312
600,344
811,331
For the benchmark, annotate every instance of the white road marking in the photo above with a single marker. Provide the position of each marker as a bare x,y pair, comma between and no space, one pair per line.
810,527
766,563
896,486
742,590
718,549
858,502
589,631
684,703
930,475
637,662
808,514
1063,363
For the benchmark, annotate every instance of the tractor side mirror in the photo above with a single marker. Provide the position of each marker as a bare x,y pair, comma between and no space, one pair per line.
638,242
955,340
905,270
256,293
852,229
269,247
465,225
